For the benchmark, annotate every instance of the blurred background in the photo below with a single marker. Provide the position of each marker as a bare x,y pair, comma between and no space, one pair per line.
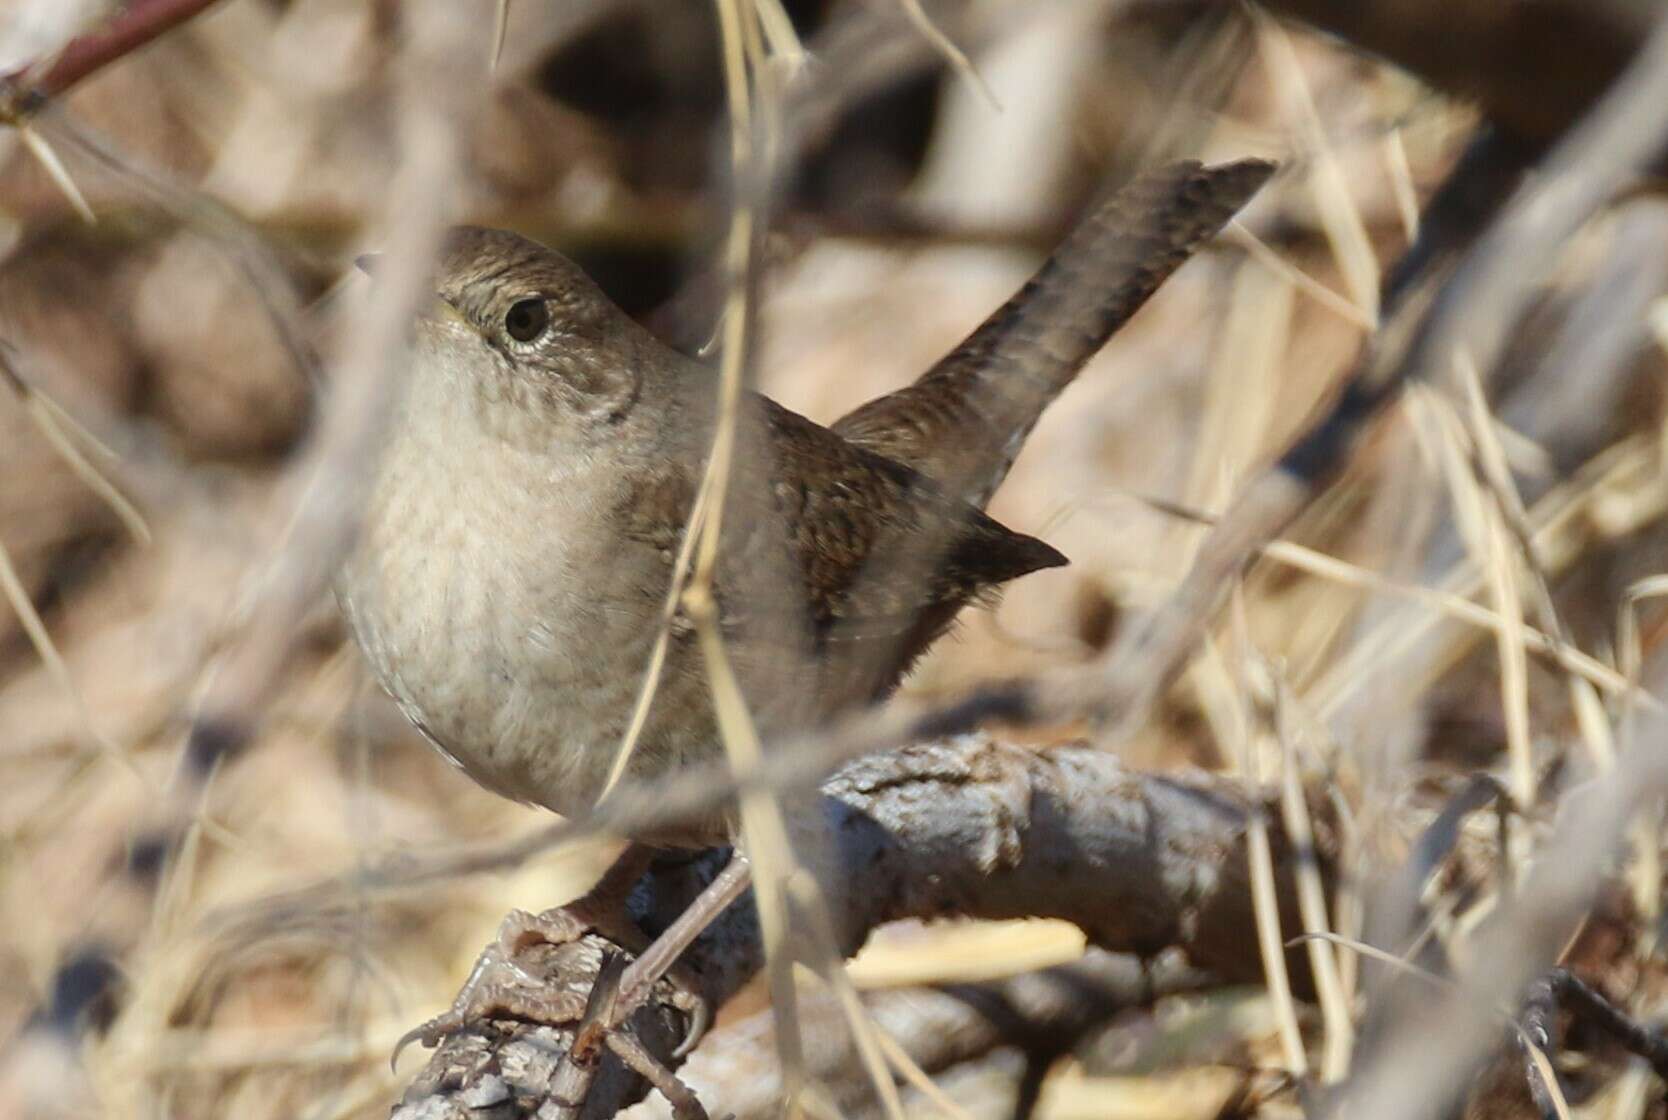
238,164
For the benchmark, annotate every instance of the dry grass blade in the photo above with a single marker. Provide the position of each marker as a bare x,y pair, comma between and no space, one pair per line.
918,1077
55,427
1311,897
1361,948
865,1035
953,54
764,827
62,432
500,30
1238,408
764,830
1495,554
1513,520
1265,255
1562,521
56,171
764,836
969,954
1265,897
650,685
1443,603
1340,216
786,53
41,639
1401,182
1629,650
1495,474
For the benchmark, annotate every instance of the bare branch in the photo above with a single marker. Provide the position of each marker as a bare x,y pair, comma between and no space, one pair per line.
971,826
28,88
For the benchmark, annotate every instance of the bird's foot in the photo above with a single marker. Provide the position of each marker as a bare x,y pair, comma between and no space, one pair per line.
601,913
501,987
603,1027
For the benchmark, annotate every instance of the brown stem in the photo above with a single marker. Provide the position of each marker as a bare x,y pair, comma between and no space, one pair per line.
137,24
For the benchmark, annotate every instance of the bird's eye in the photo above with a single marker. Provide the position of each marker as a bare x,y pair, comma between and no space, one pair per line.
527,319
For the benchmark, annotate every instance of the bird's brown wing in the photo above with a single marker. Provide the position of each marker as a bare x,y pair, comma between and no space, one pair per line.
885,558
833,554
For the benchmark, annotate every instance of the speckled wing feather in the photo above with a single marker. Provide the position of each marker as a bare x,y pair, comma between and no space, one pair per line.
963,422
875,557
888,558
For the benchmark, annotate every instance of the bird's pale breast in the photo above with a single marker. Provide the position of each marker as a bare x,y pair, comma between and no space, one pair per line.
508,626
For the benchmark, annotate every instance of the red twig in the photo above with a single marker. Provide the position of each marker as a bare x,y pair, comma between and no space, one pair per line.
29,87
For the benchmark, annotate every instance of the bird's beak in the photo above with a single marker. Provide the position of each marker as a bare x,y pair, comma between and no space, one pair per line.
442,314
437,310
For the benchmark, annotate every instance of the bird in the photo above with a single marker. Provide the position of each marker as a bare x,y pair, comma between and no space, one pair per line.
524,517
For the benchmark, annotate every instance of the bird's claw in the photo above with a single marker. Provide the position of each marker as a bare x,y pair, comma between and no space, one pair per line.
429,1034
699,1010
499,987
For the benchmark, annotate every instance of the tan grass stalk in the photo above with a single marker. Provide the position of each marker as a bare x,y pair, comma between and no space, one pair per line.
764,831
62,432
1264,254
12,587
953,54
56,171
1339,215
1311,899
1444,604
1617,490
1503,569
764,827
918,1077
1401,183
865,1034
1260,857
500,30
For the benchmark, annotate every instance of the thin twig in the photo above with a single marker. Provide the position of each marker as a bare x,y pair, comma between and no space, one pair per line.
28,88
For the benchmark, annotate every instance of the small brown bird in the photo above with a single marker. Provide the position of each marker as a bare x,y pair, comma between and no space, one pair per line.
513,566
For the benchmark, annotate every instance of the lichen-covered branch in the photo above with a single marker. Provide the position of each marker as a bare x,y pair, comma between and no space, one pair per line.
970,826
977,826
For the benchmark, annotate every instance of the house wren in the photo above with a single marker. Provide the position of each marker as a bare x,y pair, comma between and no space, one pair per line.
518,542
